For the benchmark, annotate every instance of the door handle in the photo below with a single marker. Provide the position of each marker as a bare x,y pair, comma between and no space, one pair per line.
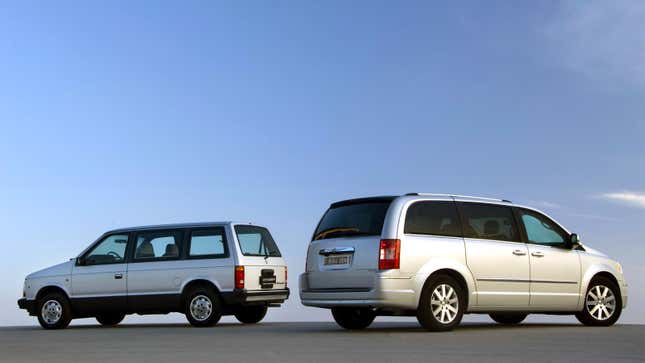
537,254
118,276
519,253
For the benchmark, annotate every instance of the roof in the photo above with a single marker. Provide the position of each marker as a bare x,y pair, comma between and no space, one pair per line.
172,226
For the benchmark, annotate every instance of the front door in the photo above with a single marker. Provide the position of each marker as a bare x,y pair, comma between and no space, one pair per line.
495,255
555,268
99,278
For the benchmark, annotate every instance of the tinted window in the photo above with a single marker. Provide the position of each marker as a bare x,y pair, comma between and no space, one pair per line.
210,242
438,218
157,245
540,229
361,219
110,250
489,222
256,241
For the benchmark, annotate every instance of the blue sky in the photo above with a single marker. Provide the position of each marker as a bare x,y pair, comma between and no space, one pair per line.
126,113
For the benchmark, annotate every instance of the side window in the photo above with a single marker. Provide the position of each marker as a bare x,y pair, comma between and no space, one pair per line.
488,221
438,218
540,229
110,250
208,243
157,245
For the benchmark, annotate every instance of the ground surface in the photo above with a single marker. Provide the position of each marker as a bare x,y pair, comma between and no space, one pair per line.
323,342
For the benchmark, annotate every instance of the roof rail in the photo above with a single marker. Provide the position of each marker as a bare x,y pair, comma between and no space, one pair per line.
460,196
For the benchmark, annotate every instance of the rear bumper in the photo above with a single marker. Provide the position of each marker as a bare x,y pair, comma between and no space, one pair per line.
246,297
386,293
29,305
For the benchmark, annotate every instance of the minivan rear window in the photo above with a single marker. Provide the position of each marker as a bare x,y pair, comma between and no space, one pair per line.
256,241
353,219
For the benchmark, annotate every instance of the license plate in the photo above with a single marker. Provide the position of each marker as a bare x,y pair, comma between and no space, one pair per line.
337,260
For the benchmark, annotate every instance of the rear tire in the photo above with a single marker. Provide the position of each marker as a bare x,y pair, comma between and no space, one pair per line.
442,304
602,303
508,318
110,319
54,311
251,314
353,318
203,307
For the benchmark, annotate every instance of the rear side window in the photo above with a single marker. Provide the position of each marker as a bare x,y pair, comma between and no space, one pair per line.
256,241
487,221
206,243
436,218
358,219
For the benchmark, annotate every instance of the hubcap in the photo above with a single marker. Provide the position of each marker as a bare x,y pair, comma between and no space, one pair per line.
601,302
444,303
201,307
51,311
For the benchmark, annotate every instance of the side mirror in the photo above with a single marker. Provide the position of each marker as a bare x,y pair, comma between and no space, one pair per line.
574,240
80,261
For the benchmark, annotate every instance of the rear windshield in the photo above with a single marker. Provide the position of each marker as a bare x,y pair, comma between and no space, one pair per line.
359,219
256,241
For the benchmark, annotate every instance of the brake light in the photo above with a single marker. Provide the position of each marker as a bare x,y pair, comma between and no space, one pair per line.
239,277
286,276
389,255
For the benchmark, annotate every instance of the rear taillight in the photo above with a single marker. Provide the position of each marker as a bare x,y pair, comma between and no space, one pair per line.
286,276
389,254
239,277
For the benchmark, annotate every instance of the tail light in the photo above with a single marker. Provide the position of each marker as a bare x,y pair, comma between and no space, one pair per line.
286,276
239,277
389,255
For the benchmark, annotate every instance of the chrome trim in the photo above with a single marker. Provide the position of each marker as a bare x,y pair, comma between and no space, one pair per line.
336,251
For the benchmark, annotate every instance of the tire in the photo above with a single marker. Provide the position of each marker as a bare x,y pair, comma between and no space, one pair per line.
54,311
438,299
251,314
508,318
203,307
602,303
110,319
353,318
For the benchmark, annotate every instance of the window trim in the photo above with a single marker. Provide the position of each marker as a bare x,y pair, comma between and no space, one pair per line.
135,235
103,237
188,239
513,216
457,214
525,237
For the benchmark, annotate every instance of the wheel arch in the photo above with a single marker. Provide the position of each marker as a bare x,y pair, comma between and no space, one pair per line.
200,281
51,288
599,270
454,270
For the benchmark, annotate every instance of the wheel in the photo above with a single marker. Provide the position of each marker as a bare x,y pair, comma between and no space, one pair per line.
353,318
442,304
54,311
251,314
203,307
603,303
508,318
110,319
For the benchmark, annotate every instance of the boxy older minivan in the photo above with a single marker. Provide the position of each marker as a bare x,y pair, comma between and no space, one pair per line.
437,256
204,270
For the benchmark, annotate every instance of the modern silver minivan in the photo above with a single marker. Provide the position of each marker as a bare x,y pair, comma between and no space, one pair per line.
437,256
204,270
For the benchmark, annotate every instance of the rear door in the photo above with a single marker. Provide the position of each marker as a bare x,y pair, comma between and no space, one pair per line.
495,254
264,267
344,252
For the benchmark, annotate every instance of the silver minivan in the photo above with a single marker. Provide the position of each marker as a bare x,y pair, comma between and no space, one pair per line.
204,270
438,256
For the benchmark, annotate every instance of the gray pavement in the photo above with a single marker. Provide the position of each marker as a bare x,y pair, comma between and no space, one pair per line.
323,342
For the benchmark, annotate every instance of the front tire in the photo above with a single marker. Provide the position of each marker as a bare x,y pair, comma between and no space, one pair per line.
110,319
203,307
353,318
508,318
603,303
54,311
442,304
251,314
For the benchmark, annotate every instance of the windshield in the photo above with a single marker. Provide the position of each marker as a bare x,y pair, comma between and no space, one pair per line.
358,219
256,241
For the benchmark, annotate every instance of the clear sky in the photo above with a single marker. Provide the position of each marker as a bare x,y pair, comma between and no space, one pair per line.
128,113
